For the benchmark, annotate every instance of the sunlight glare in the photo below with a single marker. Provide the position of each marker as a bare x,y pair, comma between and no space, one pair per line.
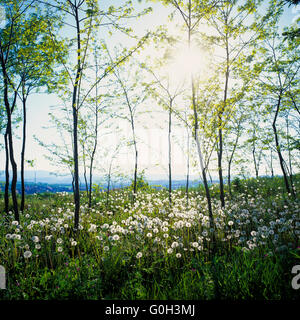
187,62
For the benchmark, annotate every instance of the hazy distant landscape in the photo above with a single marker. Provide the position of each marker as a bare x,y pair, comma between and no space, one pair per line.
47,182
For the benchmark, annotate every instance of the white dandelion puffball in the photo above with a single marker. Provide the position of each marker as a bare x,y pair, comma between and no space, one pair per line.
27,254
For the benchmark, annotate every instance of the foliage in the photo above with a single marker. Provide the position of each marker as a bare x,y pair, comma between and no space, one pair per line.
146,251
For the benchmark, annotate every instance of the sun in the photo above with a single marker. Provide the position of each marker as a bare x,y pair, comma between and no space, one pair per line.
185,62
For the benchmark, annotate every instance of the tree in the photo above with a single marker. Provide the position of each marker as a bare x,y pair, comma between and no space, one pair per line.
9,39
232,143
35,59
83,14
164,92
132,95
84,17
278,65
234,30
192,12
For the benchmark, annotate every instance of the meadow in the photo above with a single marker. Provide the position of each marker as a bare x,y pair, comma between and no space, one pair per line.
151,249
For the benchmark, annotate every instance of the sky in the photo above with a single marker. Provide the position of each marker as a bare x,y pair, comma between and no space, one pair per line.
153,141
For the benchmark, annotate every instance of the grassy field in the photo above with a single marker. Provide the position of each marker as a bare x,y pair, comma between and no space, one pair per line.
151,250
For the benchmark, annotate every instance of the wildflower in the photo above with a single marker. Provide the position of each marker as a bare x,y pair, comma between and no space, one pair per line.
106,248
116,237
59,249
73,243
230,223
35,239
59,241
15,223
8,236
149,235
195,244
139,255
175,244
166,235
38,246
156,239
178,255
92,228
27,254
170,250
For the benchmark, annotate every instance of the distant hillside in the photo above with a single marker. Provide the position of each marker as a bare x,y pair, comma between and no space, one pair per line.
31,188
41,187
43,176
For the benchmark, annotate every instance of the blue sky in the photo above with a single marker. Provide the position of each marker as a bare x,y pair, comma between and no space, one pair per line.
39,107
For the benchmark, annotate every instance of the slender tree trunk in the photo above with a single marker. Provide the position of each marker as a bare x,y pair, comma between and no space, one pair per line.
85,173
14,172
271,164
220,115
9,109
86,182
75,125
170,151
187,171
23,154
254,160
135,147
91,183
230,162
229,179
10,144
207,192
281,160
6,192
76,170
203,171
95,141
290,157
131,111
201,159
220,171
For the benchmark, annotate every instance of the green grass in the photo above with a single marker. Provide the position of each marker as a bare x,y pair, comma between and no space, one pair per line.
149,250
